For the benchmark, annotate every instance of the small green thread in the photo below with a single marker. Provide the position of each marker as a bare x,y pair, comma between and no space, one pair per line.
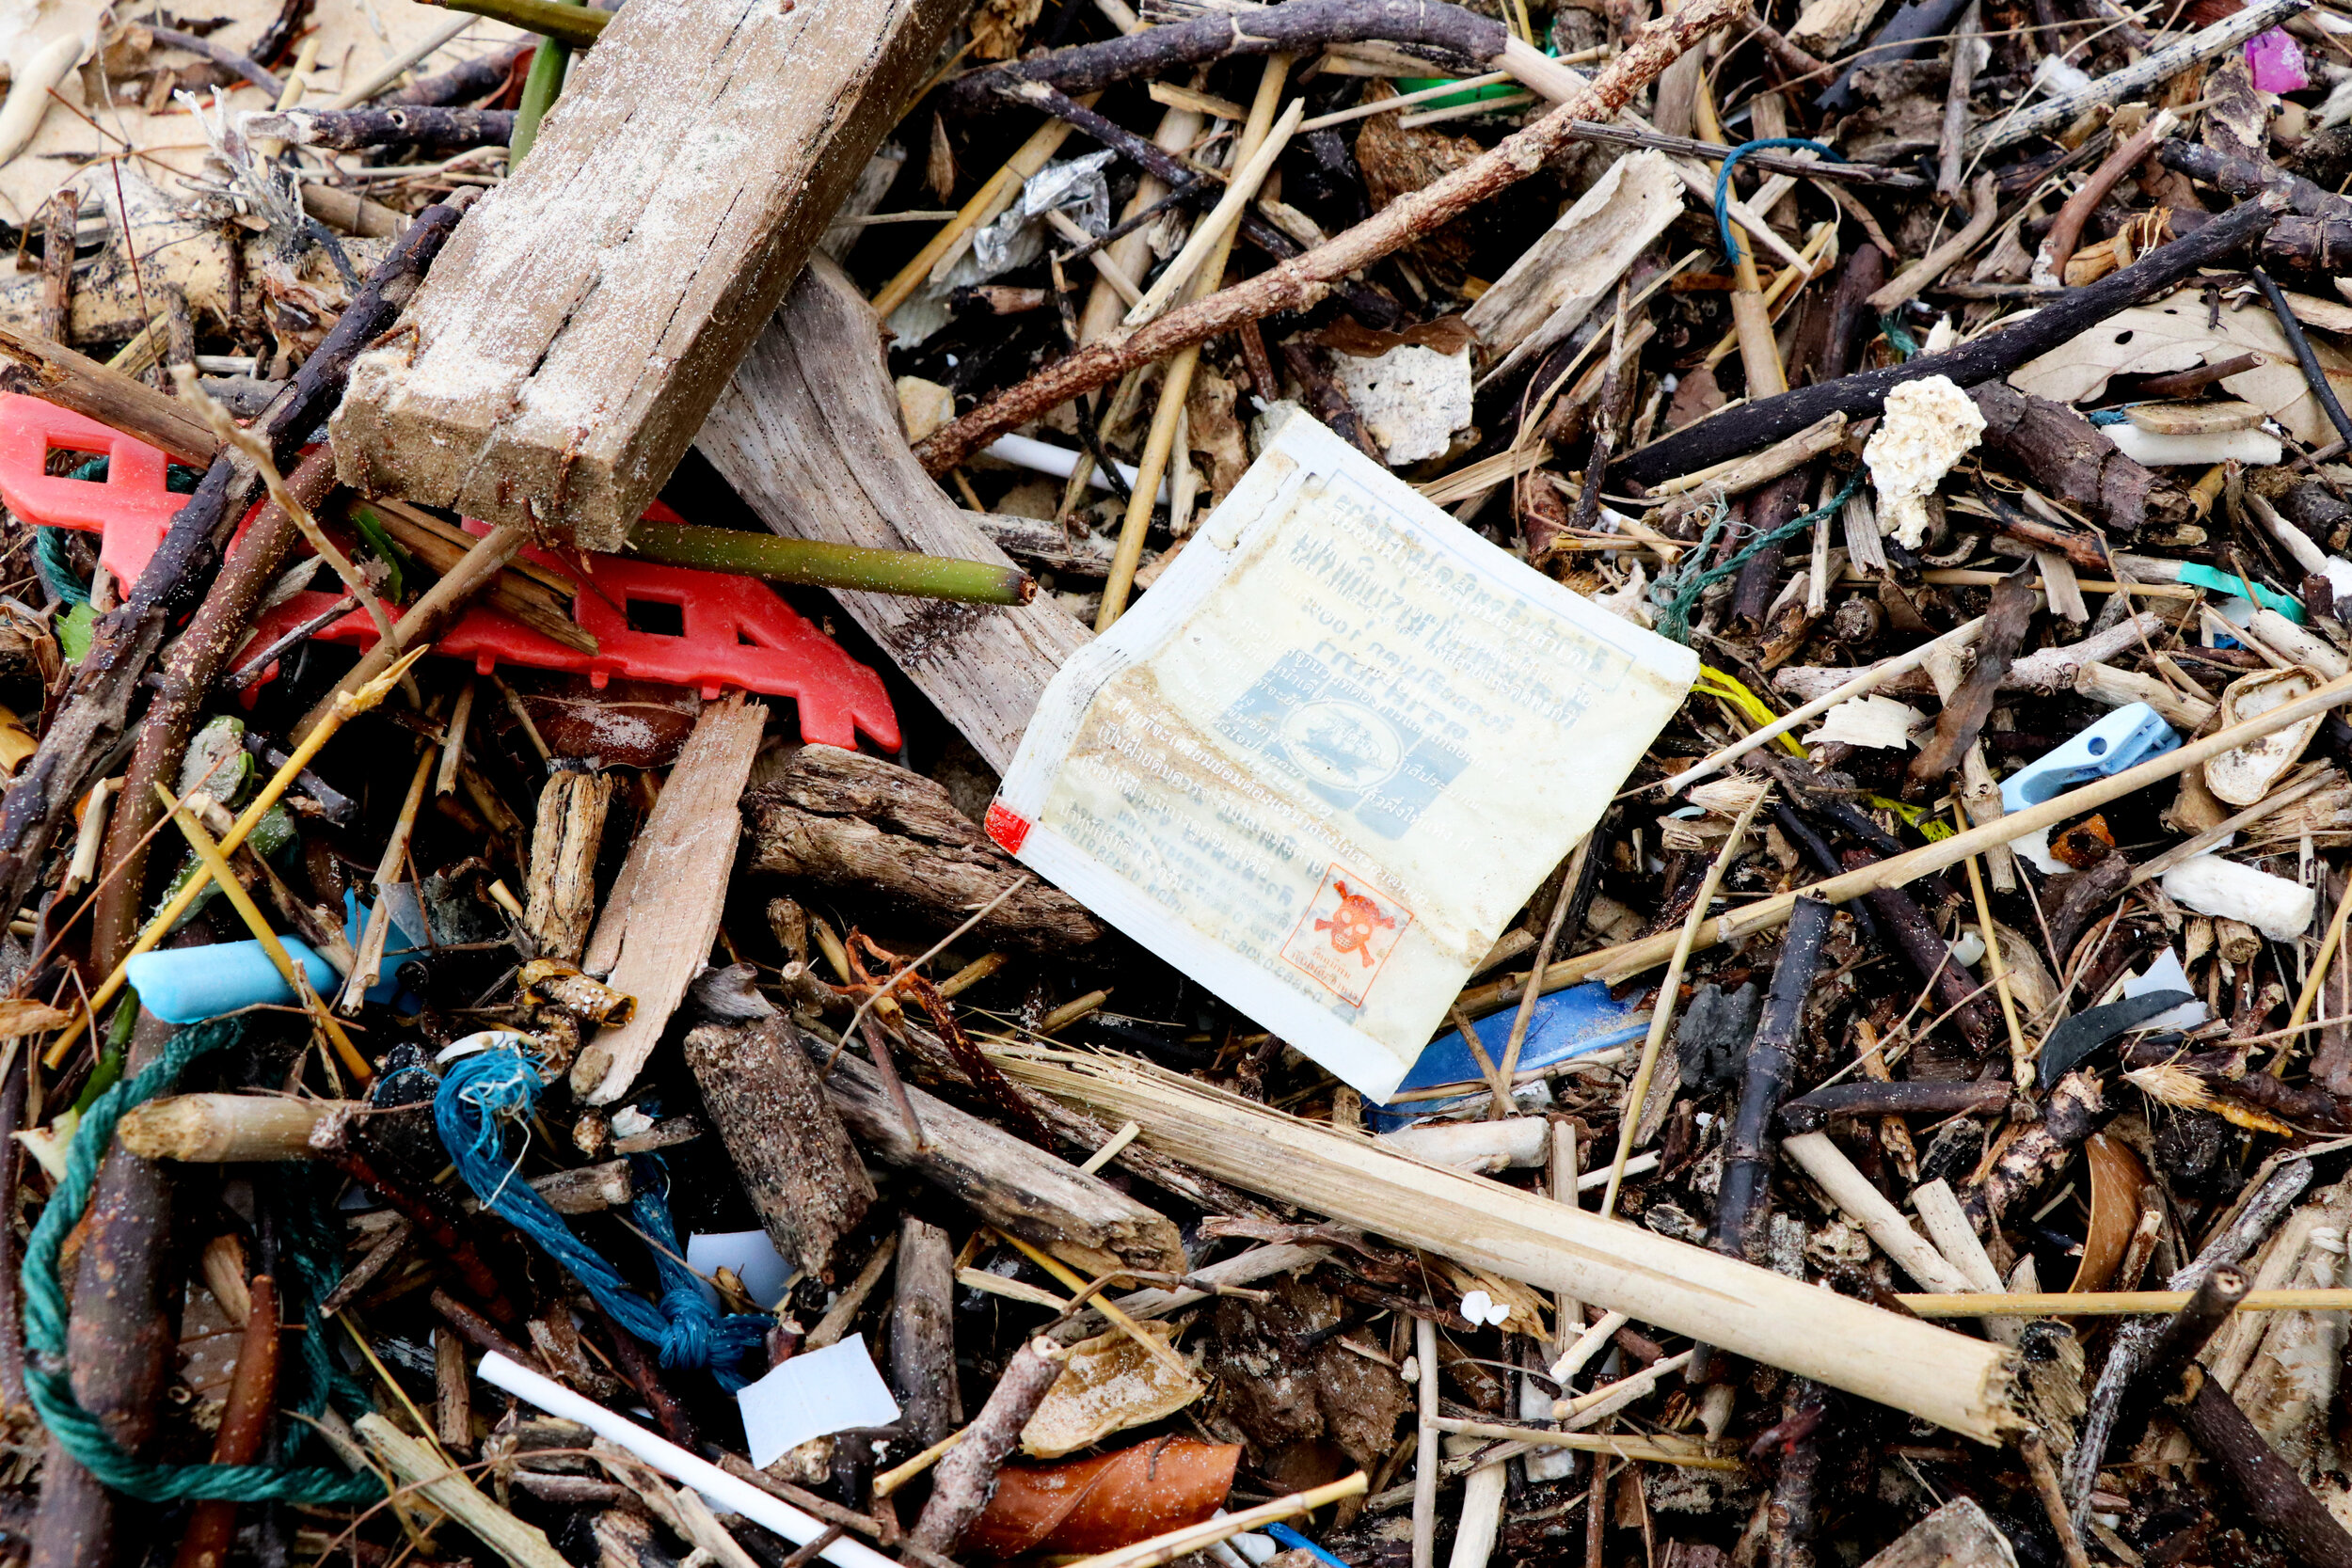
47,1380
1676,592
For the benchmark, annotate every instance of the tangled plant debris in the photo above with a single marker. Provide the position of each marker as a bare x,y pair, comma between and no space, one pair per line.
1341,781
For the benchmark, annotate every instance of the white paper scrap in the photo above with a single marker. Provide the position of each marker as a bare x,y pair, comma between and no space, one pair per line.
751,1256
814,1395
1331,753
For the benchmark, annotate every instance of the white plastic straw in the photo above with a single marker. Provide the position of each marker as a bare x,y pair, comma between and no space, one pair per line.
725,1491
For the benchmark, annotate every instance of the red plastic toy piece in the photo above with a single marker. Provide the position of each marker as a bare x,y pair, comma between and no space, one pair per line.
708,630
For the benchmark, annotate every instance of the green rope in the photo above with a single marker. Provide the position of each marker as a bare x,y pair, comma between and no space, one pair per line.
1676,592
47,1381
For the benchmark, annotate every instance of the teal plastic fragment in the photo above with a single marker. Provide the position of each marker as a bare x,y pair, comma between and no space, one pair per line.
2234,585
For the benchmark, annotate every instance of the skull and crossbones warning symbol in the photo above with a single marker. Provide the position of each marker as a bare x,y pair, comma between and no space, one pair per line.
1353,922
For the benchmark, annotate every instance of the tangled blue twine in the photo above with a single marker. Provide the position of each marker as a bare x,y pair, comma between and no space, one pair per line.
479,1096
49,1384
1731,161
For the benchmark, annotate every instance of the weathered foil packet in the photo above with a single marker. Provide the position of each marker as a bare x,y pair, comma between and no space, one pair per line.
1331,753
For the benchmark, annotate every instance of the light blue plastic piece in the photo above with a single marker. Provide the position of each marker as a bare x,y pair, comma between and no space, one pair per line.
2123,739
188,985
1570,1023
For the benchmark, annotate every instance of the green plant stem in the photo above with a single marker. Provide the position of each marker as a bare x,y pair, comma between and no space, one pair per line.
574,26
827,565
545,80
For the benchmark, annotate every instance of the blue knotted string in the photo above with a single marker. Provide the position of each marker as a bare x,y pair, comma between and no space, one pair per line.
479,1096
1731,161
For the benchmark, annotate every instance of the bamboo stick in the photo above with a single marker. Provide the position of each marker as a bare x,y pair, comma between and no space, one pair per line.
1655,1450
1200,1537
1959,1383
1632,958
1176,383
219,1129
2118,1304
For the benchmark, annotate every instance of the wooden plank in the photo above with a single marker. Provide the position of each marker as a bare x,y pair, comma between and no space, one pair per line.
558,361
808,435
662,913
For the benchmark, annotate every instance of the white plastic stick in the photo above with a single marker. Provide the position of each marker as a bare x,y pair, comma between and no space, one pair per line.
737,1496
1026,452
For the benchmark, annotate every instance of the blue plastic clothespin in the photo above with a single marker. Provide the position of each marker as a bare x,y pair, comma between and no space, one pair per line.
2123,739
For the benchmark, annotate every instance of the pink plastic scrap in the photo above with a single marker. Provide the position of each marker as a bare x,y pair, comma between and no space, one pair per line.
707,630
2276,62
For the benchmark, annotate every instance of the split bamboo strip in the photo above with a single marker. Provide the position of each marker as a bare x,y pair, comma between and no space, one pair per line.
1200,1537
1960,1382
1653,1450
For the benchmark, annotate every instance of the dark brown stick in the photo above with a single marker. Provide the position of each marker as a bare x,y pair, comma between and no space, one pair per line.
1809,1113
1740,1205
120,1339
470,79
1448,36
1743,430
195,661
966,1476
1298,283
211,1525
399,125
2274,1494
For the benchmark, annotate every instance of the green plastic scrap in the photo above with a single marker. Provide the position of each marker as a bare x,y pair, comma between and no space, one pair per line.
2234,585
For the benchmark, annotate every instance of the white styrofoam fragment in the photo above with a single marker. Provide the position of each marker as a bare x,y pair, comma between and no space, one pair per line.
1927,425
814,1395
2228,890
1411,399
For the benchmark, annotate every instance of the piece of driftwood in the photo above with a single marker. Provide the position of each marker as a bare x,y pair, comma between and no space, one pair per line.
216,1129
48,370
2066,454
562,355
859,826
1959,1383
1020,1190
560,893
662,913
809,433
922,1334
795,1159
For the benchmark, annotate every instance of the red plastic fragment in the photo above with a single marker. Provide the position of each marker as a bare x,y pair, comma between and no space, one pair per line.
730,631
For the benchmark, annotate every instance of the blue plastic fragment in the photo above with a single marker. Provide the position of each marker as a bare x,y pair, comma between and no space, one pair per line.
1570,1023
2123,739
189,984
